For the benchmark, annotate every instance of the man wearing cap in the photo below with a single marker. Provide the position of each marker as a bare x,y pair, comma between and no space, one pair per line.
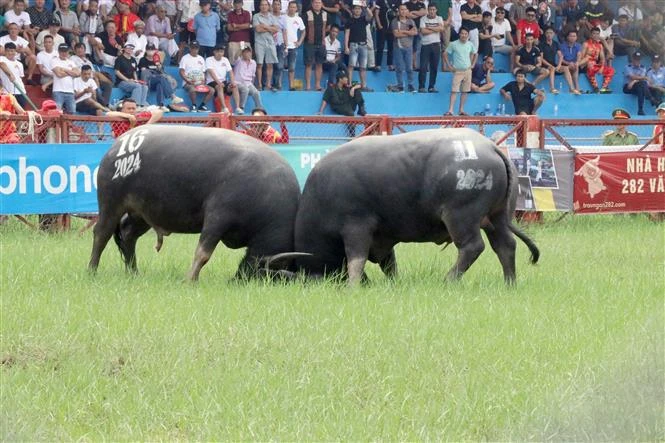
343,99
620,136
656,78
192,71
64,72
636,82
69,22
206,26
239,28
138,39
217,70
126,77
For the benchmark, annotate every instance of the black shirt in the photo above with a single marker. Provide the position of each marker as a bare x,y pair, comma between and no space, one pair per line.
340,100
144,63
485,45
529,57
387,11
39,19
415,6
357,28
549,51
521,98
468,24
109,47
126,66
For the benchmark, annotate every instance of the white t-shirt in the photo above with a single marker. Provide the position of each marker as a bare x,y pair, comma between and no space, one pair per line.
139,44
17,68
220,67
21,20
57,39
80,85
332,49
20,42
248,5
46,60
169,5
193,66
293,25
66,83
502,28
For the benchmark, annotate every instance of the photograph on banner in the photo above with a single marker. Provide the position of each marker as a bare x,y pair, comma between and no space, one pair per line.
525,199
537,164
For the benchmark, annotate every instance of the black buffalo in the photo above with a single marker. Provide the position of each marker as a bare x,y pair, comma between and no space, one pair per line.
440,186
227,186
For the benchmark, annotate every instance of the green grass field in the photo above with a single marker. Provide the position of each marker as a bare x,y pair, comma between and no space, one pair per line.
574,352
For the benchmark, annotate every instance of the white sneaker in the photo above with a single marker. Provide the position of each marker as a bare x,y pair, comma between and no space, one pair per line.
164,109
240,111
175,100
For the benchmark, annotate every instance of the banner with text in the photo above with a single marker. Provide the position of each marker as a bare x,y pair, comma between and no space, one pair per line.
619,182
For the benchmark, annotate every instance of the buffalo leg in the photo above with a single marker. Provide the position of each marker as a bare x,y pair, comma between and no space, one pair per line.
388,264
356,248
210,237
131,228
102,232
469,245
503,243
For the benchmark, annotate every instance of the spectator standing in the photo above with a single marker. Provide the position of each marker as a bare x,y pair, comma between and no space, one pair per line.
52,30
472,17
158,30
280,38
9,106
456,19
593,58
481,76
40,17
91,24
444,10
464,57
295,37
355,42
417,10
503,40
620,136
84,94
206,26
152,74
332,8
553,61
265,24
626,37
131,119
656,76
315,50
23,52
333,63
528,25
218,68
138,39
244,71
64,72
431,28
11,73
126,77
239,27
404,29
105,84
522,93
343,98
187,9
45,59
69,23
529,59
517,13
636,83
192,71
571,52
385,12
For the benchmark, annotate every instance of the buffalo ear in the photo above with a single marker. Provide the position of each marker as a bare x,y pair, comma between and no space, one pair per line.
278,261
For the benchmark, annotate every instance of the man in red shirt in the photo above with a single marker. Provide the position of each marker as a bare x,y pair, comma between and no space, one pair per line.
593,57
124,20
132,119
239,28
266,133
528,25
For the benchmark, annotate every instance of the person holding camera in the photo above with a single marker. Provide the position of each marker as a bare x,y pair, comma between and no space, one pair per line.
343,99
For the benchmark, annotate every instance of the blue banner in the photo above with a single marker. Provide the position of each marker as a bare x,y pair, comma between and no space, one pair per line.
59,179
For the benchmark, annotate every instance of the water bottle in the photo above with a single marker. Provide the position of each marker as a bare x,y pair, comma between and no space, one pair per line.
498,109
560,85
488,109
503,109
556,109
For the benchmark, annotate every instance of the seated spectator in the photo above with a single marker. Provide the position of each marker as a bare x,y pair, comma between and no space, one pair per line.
503,40
85,89
529,59
625,37
69,23
630,10
8,106
22,48
206,26
218,68
138,39
545,15
171,9
620,136
128,112
266,133
636,83
11,73
570,10
125,18
64,72
528,25
103,81
659,130
54,31
572,52
192,71
44,61
126,76
595,11
343,98
91,24
553,61
521,92
40,17
656,78
152,73
593,59
606,37
158,29
333,62
294,25
355,42
19,16
244,71
108,44
652,37
481,76
581,28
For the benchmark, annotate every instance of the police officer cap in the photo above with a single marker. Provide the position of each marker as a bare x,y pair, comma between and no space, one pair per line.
620,114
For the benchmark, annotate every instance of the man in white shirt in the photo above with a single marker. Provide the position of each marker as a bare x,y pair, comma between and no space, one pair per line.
138,39
192,70
503,41
19,16
85,89
64,72
11,71
217,69
80,59
333,61
294,25
52,30
23,52
45,60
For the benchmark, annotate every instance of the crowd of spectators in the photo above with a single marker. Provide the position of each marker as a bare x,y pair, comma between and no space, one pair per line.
239,48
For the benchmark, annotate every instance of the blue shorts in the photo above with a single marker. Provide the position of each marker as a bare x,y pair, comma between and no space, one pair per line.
358,55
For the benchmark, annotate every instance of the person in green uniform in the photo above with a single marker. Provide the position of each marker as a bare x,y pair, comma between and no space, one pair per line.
342,98
620,136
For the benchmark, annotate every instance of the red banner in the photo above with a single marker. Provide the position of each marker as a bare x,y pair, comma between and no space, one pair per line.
619,182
